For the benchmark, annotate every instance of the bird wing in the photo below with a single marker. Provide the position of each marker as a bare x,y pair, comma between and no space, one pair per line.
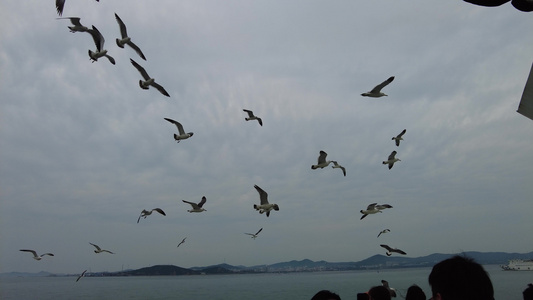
249,233
140,216
81,275
60,4
178,124
262,195
194,205
49,254
322,157
399,251
140,69
343,170
204,199
159,210
371,206
108,251
364,215
380,233
250,113
31,251
259,231
397,141
160,89
260,121
73,20
97,37
383,206
392,155
137,49
378,87
402,133
96,246
386,247
123,31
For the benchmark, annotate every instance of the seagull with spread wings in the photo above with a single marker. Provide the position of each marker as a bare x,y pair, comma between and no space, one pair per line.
374,208
376,91
390,250
81,275
383,231
125,39
35,256
391,160
145,213
254,236
77,25
99,42
252,117
182,135
197,207
322,162
148,81
182,241
399,138
264,207
100,250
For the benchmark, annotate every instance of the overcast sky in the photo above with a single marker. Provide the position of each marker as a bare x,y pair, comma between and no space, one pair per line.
83,149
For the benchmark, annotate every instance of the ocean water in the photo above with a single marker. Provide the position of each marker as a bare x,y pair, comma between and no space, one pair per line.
508,285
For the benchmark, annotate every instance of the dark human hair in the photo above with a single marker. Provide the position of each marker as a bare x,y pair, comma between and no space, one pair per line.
528,292
414,292
379,293
460,278
326,295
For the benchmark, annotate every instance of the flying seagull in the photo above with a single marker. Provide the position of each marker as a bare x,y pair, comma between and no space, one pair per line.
182,241
251,117
126,39
35,256
99,42
148,81
99,250
336,165
383,231
392,159
146,213
322,162
264,206
399,138
60,4
376,91
77,25
373,209
182,135
390,250
197,207
81,275
254,235
392,291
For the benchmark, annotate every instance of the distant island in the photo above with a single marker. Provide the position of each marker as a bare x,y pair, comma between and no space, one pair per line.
376,262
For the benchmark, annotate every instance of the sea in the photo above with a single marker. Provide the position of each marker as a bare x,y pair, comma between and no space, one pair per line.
508,285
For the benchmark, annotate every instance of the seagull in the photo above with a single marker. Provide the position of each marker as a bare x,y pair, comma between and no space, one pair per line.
126,39
99,250
81,275
264,206
182,241
398,138
336,165
383,231
99,42
146,213
376,91
392,291
322,162
390,250
35,256
77,25
392,159
373,209
251,117
60,4
197,207
148,81
254,235
182,135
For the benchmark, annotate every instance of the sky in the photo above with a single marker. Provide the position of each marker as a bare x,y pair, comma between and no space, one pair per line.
83,149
